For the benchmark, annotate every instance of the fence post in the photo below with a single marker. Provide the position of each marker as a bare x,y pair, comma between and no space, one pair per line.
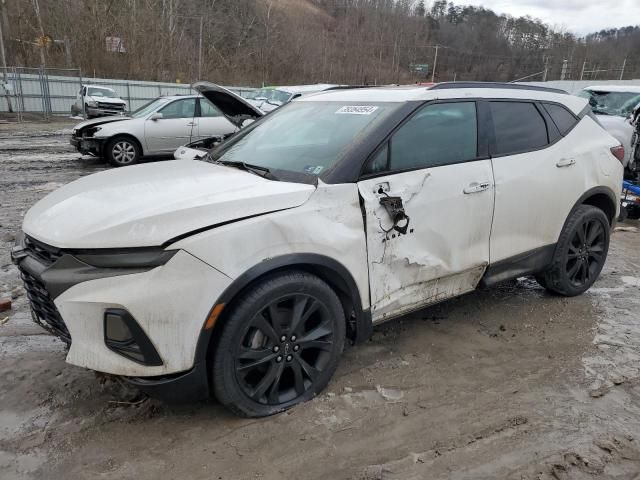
44,103
47,93
19,83
129,99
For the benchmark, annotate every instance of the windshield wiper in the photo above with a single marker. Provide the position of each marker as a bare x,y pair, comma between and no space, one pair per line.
600,112
259,170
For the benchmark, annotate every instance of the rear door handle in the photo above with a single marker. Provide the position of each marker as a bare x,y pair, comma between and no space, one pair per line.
191,124
476,187
566,162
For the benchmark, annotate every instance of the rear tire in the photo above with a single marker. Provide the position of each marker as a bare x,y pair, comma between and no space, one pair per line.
122,151
580,253
279,346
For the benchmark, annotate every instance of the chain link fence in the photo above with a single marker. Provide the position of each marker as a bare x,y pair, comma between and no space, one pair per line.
42,93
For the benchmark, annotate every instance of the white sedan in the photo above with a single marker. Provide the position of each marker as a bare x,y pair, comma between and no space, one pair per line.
164,124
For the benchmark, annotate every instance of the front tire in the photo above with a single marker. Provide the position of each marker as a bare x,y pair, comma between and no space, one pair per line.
580,253
122,151
279,346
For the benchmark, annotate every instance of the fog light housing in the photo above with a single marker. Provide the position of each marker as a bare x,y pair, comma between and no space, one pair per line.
123,335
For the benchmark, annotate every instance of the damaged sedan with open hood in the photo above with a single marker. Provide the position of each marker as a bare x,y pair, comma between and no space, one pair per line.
162,125
243,275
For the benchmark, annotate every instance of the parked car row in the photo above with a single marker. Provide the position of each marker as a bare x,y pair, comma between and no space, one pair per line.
164,124
184,126
613,106
244,274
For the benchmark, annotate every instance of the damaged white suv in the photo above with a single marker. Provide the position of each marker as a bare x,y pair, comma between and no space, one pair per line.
243,275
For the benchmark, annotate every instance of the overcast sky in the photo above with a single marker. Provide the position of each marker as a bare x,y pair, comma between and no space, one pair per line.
577,16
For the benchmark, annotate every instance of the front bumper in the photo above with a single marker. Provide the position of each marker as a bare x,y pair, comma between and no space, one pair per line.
87,145
104,111
170,303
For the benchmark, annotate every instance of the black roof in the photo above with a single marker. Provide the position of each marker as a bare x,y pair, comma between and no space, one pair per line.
512,86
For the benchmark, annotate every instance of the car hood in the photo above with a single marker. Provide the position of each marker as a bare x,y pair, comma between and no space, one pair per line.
148,205
100,121
233,106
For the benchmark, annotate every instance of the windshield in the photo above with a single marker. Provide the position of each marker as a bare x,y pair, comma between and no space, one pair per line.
271,95
149,107
101,92
304,137
611,103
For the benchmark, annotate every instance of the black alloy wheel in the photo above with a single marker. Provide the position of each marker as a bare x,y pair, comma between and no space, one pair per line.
279,345
580,253
284,349
586,252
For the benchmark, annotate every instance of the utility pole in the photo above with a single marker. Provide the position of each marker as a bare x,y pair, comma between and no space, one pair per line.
3,57
546,68
435,63
36,7
563,74
584,65
624,64
200,51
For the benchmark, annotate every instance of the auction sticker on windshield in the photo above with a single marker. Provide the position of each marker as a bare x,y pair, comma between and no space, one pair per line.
358,109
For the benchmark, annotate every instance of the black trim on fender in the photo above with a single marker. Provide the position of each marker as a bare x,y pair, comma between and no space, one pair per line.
327,268
597,191
526,263
183,387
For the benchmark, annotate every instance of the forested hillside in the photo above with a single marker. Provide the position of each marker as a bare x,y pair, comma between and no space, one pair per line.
254,42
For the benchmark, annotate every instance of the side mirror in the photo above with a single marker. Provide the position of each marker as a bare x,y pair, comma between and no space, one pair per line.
156,116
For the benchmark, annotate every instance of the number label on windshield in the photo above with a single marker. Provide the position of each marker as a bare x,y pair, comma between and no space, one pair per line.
358,109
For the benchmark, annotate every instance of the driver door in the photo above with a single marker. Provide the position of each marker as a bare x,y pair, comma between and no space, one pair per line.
176,127
428,198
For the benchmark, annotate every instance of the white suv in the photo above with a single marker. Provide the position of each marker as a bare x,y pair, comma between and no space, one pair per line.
244,274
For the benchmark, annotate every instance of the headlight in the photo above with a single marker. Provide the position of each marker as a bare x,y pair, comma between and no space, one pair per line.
92,104
135,258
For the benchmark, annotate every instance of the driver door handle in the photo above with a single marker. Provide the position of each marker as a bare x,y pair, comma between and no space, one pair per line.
566,162
191,124
476,187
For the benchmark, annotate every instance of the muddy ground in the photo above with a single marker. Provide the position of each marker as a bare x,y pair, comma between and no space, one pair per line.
503,383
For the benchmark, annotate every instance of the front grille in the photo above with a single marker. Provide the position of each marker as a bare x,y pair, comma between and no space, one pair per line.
44,253
110,106
44,310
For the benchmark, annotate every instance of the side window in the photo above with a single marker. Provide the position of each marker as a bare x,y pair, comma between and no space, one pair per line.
378,163
207,109
563,119
439,134
519,127
185,108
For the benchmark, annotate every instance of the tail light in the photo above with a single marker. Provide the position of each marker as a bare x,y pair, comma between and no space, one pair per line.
618,152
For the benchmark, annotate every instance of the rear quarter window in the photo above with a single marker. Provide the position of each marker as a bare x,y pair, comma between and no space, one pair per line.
519,127
563,119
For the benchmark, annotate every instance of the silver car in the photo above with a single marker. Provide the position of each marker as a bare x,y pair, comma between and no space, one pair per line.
162,125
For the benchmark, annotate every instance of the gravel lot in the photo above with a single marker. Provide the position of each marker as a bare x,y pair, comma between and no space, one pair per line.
502,383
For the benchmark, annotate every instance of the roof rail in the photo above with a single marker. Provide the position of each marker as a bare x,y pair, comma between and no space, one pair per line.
513,86
349,87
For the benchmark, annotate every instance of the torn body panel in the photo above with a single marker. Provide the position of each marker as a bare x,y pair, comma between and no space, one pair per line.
445,249
329,224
